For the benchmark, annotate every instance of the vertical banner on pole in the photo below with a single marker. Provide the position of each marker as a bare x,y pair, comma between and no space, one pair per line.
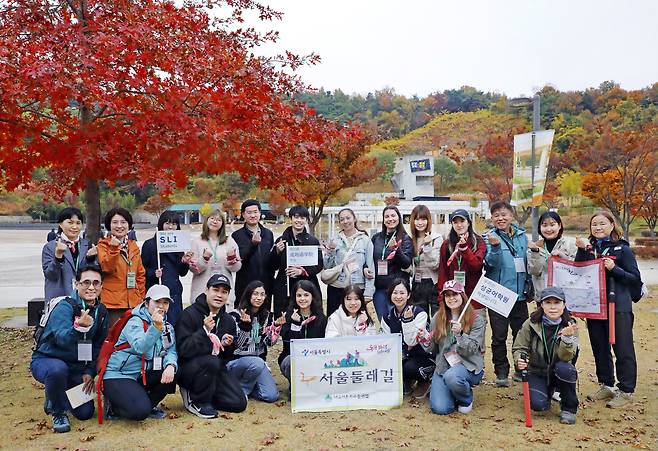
523,193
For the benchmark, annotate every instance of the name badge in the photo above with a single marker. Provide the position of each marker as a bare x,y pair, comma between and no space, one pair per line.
418,276
131,280
382,267
84,351
460,276
452,357
157,363
519,264
352,265
73,283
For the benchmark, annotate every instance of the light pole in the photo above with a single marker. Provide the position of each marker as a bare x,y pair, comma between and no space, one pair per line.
536,109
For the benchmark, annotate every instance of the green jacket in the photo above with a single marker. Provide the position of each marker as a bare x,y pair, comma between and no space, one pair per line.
529,340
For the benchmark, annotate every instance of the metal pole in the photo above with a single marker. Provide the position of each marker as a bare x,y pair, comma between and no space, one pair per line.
536,109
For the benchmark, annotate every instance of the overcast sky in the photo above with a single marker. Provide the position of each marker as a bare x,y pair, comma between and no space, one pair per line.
507,46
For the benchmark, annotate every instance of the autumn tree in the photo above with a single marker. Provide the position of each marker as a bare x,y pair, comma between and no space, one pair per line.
621,169
156,204
569,183
149,91
343,163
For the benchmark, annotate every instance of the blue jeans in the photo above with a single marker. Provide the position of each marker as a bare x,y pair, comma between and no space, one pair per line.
57,377
453,388
382,302
255,378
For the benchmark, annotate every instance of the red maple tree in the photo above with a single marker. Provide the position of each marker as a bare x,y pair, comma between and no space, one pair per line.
147,91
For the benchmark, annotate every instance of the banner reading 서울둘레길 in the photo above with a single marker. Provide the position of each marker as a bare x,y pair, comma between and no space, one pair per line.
346,373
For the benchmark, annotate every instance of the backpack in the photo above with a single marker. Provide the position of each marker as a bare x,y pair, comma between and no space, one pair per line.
637,291
45,316
107,349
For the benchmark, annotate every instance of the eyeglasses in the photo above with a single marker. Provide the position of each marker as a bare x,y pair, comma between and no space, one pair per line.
87,283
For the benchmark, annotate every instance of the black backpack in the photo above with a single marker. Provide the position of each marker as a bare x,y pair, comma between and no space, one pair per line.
47,310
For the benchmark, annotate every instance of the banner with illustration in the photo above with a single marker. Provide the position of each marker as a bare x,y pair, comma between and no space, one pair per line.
583,284
346,373
523,194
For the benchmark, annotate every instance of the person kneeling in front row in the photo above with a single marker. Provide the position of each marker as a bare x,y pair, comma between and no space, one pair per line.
65,354
545,346
138,377
457,338
205,334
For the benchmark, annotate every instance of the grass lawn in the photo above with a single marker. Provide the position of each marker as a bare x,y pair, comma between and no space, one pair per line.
496,421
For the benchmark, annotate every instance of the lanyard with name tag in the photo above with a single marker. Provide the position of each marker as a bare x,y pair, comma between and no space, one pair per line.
382,267
519,264
460,276
84,351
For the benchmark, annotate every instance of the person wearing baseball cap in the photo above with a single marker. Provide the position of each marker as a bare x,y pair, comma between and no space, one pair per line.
205,343
457,338
462,255
138,377
546,346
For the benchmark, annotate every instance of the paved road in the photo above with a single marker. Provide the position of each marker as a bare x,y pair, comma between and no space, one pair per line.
21,277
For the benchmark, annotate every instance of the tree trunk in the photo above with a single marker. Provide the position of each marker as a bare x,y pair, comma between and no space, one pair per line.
93,207
316,214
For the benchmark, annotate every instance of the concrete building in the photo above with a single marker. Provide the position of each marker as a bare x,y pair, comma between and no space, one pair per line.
414,176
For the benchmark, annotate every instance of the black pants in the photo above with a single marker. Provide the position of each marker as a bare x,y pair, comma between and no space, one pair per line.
132,400
417,368
209,382
425,295
499,326
562,377
335,297
626,364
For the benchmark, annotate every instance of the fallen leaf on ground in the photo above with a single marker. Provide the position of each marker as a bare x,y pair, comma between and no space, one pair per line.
87,438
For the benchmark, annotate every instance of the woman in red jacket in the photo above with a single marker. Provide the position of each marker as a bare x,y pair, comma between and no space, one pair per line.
462,254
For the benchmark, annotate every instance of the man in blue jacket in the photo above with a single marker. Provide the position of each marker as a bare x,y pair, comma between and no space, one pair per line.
65,355
505,263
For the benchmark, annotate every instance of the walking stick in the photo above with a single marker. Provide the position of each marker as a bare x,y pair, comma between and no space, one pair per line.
612,298
526,393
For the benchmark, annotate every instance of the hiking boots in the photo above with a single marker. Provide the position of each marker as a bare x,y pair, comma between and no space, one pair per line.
61,423
567,417
158,413
502,381
422,389
621,399
604,392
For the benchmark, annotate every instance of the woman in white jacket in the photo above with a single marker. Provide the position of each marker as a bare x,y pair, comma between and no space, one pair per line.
427,249
352,317
551,243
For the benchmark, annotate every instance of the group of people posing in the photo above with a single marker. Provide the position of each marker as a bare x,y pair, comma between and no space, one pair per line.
415,284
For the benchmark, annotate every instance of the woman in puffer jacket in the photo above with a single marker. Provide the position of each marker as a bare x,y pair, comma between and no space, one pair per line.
138,377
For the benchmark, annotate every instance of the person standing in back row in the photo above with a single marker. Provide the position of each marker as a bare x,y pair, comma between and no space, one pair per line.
505,263
254,244
288,276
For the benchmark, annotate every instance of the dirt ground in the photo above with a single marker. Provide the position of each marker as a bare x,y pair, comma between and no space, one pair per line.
496,421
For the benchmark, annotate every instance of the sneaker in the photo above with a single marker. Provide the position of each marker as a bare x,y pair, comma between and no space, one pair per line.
556,396
516,377
502,381
621,399
61,423
422,389
604,392
567,417
47,406
465,409
202,410
158,413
